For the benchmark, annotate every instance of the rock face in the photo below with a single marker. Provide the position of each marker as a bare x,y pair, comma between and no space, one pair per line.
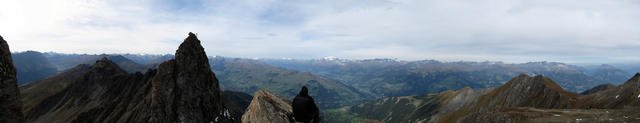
185,89
10,105
237,102
268,108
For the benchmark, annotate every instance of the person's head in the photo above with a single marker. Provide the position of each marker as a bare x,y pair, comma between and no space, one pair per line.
304,91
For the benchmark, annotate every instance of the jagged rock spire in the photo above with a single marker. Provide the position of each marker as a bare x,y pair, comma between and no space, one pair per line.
185,89
10,105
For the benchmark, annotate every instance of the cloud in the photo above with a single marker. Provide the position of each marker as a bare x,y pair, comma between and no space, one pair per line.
507,30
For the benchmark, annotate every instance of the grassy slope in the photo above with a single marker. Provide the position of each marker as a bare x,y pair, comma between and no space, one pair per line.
248,76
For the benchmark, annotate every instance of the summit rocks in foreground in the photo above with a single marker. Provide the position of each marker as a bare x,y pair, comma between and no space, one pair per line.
180,90
266,107
10,105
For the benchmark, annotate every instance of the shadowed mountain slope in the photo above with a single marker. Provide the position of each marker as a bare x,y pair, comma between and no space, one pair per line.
180,90
35,92
32,66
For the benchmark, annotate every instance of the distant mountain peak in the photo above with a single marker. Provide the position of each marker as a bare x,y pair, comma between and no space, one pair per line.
106,66
524,90
526,80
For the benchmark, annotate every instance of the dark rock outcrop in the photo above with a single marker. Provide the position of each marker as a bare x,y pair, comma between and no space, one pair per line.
10,105
266,107
237,102
186,89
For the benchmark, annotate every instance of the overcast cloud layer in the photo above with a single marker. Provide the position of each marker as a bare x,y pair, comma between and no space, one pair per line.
574,31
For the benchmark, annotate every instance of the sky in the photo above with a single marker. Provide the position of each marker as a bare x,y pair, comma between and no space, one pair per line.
571,31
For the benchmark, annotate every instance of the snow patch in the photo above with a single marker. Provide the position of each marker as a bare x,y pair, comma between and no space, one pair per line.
617,96
329,58
557,115
226,113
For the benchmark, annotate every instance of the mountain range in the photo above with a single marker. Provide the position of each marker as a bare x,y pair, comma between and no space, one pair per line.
343,82
372,77
187,87
389,77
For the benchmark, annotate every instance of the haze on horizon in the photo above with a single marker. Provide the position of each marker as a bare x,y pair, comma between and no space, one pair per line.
571,31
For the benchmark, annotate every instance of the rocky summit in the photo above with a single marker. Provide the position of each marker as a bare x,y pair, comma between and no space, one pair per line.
185,89
10,105
266,107
180,90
